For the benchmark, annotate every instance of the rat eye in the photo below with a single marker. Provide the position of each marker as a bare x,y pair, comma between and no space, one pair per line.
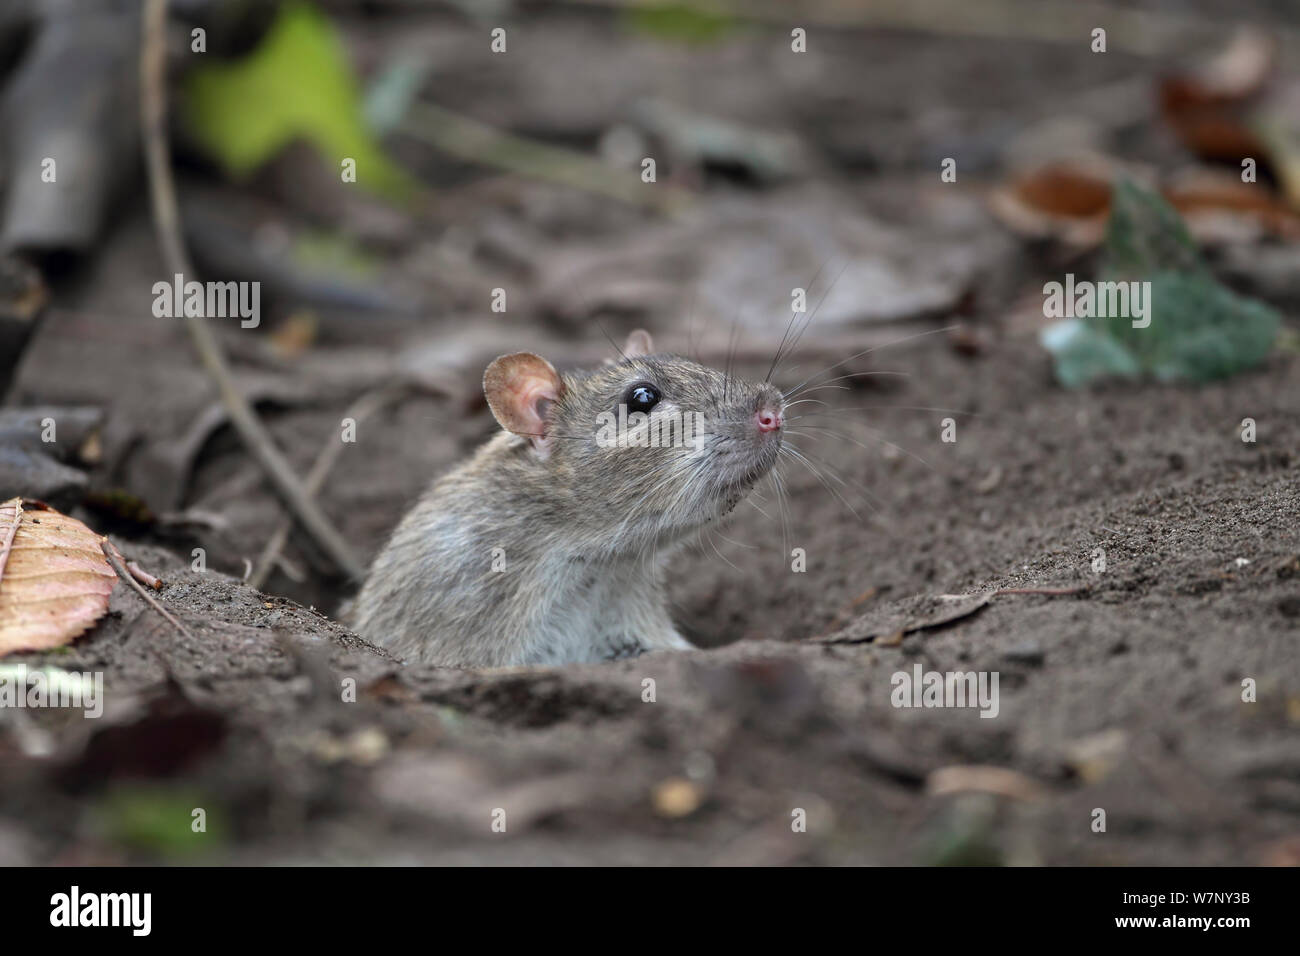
641,397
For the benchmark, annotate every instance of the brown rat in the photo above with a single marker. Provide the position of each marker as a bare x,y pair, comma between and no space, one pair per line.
546,547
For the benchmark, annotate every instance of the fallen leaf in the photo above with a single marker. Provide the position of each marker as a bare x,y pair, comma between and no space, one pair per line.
1066,201
1196,329
54,580
1207,198
1207,107
926,612
998,781
247,112
1070,202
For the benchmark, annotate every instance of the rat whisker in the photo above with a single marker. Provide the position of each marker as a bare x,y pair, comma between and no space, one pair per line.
600,325
842,388
870,499
832,409
812,315
873,435
794,316
778,483
801,457
875,348
733,340
844,378
708,536
739,544
815,401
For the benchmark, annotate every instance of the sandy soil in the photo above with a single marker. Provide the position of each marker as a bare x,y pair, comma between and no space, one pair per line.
1125,696
1122,693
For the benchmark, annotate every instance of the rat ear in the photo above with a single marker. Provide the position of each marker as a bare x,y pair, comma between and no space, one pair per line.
638,344
520,389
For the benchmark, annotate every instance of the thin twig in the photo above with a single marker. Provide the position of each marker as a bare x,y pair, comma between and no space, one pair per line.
361,409
119,565
477,142
1049,592
143,576
153,108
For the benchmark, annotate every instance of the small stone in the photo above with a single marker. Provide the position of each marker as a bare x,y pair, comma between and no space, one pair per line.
676,797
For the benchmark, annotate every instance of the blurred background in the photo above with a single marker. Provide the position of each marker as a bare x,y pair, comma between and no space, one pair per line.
419,186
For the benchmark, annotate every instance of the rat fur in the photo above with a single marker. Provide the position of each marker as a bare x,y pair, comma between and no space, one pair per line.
548,545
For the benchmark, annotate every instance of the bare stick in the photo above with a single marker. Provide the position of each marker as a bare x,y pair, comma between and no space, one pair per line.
153,108
1049,592
119,565
477,142
143,576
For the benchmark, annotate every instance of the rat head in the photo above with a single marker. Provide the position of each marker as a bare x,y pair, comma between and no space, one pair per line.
644,449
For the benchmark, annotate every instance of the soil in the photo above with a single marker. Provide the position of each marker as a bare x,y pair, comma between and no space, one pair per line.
1146,561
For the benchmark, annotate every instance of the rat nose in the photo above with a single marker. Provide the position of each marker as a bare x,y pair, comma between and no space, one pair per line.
768,419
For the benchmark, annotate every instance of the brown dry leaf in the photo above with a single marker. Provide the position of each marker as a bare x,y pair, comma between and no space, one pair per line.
1208,108
1212,201
54,579
1067,201
1237,73
922,613
1000,781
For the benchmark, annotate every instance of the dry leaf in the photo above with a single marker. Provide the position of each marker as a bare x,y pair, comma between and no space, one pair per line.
999,781
1208,108
1068,201
54,580
924,613
1209,199
1238,73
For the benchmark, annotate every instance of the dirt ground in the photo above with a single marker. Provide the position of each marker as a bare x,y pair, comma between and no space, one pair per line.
1123,692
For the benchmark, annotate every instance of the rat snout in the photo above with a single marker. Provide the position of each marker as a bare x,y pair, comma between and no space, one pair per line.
768,418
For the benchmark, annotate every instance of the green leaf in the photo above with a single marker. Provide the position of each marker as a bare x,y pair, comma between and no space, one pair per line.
1195,329
680,22
1145,235
296,85
1201,331
160,820
1085,353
